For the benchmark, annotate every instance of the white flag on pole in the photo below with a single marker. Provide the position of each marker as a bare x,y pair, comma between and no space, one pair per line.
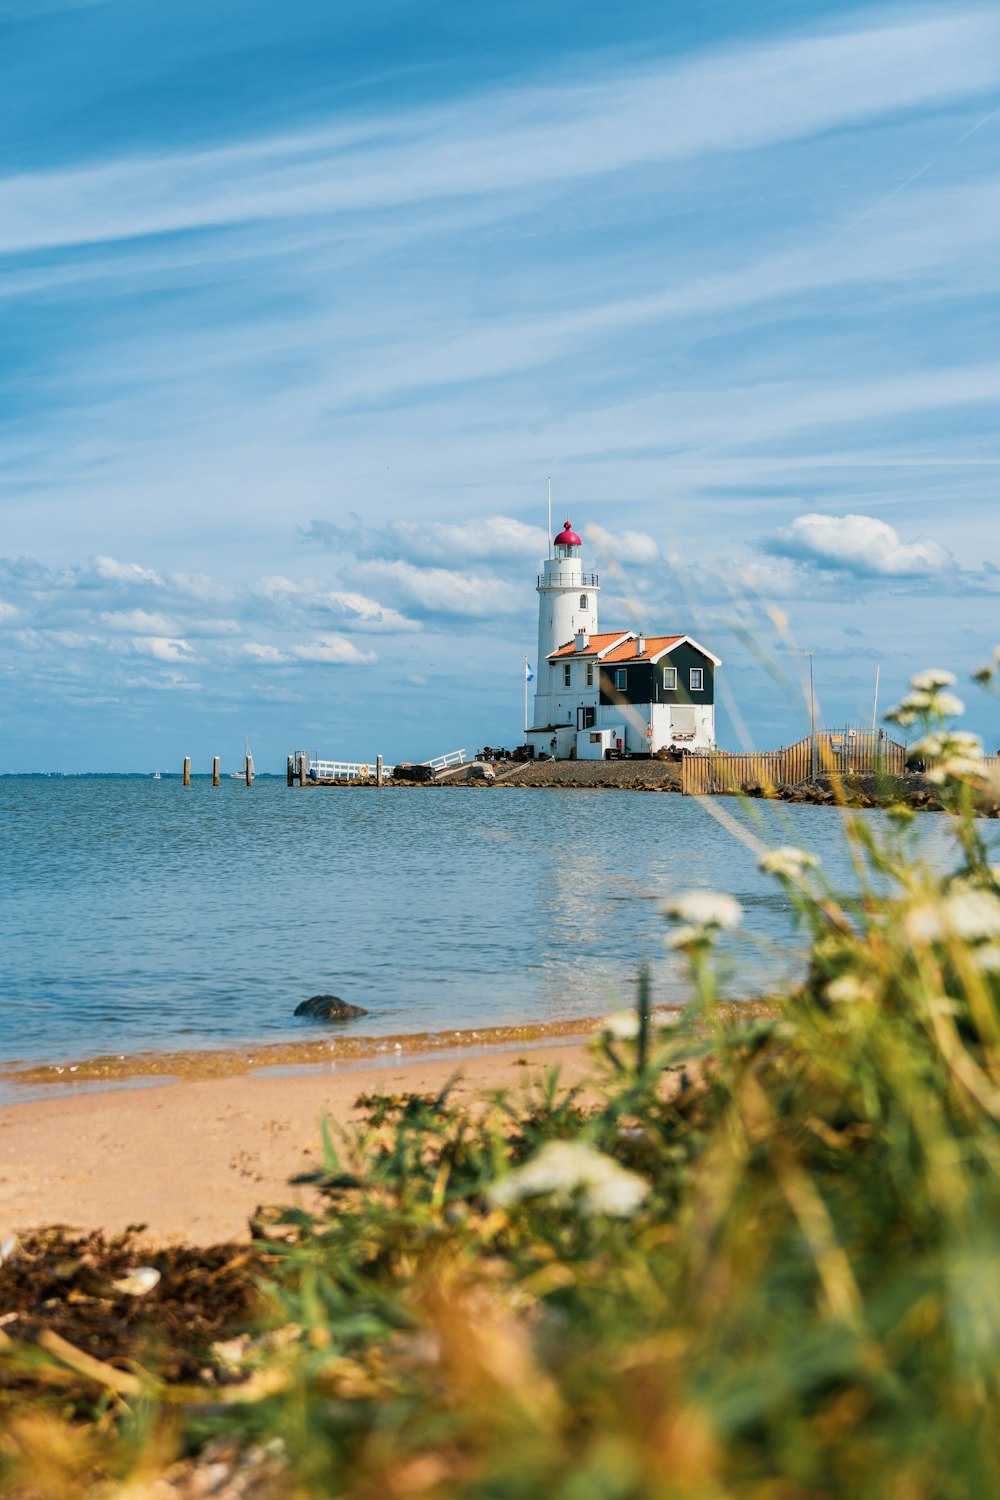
529,675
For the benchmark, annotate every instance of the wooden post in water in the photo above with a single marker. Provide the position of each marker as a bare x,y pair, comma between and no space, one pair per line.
290,771
187,770
215,770
378,770
249,769
303,767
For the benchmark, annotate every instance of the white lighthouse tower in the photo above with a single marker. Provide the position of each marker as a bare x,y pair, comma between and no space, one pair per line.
567,610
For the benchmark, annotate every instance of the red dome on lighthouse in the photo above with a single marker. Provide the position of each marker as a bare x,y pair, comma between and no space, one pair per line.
568,537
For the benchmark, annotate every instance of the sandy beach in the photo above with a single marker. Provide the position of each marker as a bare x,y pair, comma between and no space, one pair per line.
193,1158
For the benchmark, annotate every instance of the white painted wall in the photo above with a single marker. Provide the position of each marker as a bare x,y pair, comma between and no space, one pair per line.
560,617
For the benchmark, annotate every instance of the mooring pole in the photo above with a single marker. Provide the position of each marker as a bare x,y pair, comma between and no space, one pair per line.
187,770
215,770
303,767
379,777
290,771
249,769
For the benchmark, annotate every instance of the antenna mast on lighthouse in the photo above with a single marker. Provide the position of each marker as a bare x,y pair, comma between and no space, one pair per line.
550,517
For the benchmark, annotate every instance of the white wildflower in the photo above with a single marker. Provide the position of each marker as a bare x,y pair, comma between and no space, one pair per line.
965,741
948,706
848,989
964,913
917,703
623,1026
923,923
929,748
954,768
788,862
973,914
988,959
932,678
685,937
573,1172
706,909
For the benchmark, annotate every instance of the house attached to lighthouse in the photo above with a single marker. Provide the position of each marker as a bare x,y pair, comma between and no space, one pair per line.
612,690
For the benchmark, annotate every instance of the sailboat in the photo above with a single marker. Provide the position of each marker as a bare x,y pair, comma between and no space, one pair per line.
156,776
247,774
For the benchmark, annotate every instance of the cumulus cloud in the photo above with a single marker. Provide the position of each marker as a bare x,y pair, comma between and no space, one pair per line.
269,655
162,647
119,572
351,611
442,591
862,545
622,546
333,650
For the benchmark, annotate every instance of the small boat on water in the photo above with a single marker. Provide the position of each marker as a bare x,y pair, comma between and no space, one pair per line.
157,776
247,773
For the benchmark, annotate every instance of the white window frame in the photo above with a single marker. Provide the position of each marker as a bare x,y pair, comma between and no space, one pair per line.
621,679
590,674
699,686
567,674
671,673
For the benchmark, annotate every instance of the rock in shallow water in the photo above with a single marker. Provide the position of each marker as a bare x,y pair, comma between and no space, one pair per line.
328,1008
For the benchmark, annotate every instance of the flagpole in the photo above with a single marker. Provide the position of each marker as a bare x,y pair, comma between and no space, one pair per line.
525,700
550,517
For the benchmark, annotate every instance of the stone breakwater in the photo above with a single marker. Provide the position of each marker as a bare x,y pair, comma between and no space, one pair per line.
665,776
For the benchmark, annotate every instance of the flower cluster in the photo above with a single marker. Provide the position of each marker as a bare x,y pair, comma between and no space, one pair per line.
969,914
951,754
985,674
787,862
702,914
574,1173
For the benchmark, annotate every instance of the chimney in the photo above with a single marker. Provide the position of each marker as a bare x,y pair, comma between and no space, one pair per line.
581,640
640,644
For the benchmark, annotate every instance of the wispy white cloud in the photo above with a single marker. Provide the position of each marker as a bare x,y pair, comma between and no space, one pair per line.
622,547
444,591
333,650
141,620
730,101
490,538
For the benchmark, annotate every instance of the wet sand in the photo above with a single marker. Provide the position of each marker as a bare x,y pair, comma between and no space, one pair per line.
193,1156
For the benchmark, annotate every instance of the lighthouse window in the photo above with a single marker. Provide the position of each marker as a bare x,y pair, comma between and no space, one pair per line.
670,679
567,674
621,678
696,679
583,601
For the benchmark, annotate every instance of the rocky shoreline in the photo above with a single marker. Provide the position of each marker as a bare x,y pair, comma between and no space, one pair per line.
859,791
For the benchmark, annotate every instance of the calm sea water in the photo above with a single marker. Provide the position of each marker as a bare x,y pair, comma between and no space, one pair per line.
138,915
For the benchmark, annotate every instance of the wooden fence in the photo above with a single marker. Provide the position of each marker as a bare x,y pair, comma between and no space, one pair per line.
838,752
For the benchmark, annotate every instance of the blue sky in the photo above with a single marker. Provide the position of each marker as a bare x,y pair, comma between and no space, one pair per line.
301,305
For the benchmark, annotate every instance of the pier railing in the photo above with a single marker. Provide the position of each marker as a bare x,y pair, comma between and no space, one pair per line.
442,762
363,770
344,770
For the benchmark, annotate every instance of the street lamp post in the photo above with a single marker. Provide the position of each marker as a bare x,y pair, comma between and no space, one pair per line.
812,718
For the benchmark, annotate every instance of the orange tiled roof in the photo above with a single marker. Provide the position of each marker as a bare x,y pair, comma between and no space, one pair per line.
654,645
626,651
595,643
